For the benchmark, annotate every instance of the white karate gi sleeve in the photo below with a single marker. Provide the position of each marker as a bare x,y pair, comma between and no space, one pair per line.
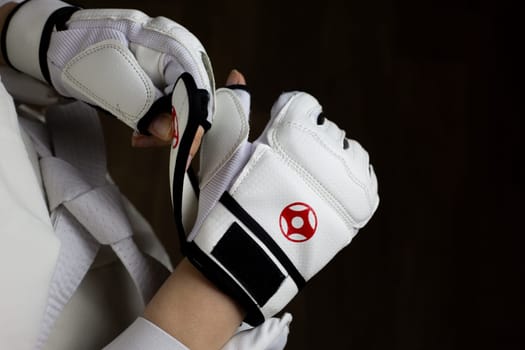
143,334
28,246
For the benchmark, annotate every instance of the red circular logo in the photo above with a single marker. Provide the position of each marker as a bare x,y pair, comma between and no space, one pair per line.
175,126
298,222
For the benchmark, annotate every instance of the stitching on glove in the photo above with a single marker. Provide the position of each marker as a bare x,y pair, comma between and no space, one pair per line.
252,163
131,119
160,25
108,14
173,30
236,144
329,149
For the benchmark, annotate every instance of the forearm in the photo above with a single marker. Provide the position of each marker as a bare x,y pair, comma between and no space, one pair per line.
193,310
4,12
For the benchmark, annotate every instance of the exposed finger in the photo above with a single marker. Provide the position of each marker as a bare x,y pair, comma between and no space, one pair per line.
161,127
235,78
143,141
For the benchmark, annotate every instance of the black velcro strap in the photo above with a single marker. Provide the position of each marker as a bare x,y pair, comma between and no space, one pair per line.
57,19
197,115
248,262
225,283
235,208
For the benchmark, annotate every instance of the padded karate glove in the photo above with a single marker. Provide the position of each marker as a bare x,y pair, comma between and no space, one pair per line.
120,60
276,212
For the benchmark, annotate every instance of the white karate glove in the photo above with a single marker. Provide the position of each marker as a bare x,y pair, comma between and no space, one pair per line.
300,198
120,60
288,204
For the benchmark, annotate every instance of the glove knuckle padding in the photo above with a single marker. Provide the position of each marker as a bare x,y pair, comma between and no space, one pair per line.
89,75
301,164
316,153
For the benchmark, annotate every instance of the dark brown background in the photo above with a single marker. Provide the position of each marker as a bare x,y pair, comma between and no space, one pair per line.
429,88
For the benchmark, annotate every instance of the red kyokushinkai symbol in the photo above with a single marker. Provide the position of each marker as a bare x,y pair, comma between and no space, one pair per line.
175,122
298,222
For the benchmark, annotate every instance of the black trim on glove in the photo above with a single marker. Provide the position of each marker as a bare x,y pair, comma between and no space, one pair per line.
198,100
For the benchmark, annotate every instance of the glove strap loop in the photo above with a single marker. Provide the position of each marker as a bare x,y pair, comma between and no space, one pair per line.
197,113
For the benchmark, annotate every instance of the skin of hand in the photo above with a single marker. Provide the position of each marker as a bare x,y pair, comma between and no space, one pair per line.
191,309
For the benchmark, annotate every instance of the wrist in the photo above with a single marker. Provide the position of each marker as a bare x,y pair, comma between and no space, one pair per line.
193,310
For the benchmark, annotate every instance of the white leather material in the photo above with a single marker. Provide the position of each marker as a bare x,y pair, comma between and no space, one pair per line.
24,33
224,150
107,75
151,61
306,190
226,136
298,137
163,48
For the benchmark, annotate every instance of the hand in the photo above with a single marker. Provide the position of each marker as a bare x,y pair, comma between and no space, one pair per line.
224,152
288,203
187,290
120,60
163,125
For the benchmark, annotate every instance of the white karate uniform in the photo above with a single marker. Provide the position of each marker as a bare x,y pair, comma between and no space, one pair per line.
106,301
